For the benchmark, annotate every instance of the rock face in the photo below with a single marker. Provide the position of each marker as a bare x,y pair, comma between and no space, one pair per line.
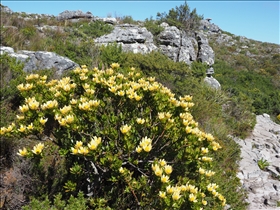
40,60
173,42
176,44
205,52
263,186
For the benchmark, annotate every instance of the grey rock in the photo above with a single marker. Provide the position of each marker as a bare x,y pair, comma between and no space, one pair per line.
131,37
106,20
207,26
177,45
5,9
44,28
212,82
170,36
40,60
262,187
205,52
66,15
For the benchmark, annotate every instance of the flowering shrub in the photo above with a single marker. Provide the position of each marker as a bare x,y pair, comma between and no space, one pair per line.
127,140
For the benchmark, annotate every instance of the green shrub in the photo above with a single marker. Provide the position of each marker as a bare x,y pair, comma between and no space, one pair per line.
112,53
153,26
127,140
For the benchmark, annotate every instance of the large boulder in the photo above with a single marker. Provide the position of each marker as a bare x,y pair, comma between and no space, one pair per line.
131,37
40,60
66,15
205,25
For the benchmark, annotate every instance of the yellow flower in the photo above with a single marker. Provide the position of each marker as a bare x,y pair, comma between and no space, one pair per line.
138,149
73,101
38,148
20,87
23,108
204,202
78,144
137,97
43,120
22,152
3,130
30,126
22,128
121,170
95,141
33,105
65,109
84,106
204,150
158,171
147,147
201,171
140,121
83,151
125,129
209,173
162,162
162,194
74,151
161,115
20,117
192,198
176,195
207,159
32,76
164,178
121,93
168,169
62,122
169,189
115,65
69,119
94,103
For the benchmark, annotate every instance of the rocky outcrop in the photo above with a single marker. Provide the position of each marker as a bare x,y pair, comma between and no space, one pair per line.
176,44
68,15
40,60
173,43
205,52
5,9
263,145
131,37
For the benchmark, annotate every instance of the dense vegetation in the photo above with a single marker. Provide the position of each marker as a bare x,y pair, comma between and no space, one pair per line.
46,178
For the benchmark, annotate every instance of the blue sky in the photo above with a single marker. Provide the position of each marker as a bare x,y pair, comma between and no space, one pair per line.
258,20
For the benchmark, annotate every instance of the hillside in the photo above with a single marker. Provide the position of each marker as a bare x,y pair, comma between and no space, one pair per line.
247,70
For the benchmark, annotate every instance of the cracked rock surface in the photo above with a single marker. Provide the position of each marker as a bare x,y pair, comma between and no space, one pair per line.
263,186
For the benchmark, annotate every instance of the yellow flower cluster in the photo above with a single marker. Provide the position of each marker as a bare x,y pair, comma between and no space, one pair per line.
84,150
212,188
145,144
5,130
162,170
87,105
